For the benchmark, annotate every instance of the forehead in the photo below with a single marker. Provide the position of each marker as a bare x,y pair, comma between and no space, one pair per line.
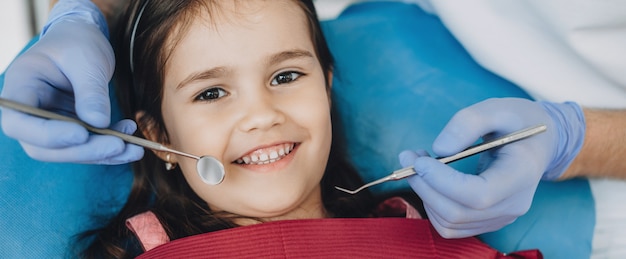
231,21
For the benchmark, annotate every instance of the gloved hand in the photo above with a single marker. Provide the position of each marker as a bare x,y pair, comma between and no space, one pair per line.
67,71
462,205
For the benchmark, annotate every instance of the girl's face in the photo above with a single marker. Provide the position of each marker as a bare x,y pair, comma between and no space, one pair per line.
246,87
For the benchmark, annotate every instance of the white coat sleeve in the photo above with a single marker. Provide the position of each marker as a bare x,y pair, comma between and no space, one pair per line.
557,50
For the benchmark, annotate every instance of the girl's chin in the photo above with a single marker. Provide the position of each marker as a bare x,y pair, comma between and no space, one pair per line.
282,209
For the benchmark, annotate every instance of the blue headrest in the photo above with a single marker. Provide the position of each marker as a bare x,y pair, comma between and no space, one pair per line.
44,205
399,77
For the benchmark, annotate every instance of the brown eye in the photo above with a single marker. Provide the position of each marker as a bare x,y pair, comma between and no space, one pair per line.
211,94
285,77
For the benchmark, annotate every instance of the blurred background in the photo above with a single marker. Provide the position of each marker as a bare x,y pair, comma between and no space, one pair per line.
20,20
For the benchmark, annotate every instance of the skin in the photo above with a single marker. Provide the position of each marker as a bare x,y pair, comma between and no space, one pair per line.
603,137
602,154
242,57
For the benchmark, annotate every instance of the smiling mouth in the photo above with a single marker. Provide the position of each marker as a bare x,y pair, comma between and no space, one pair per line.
266,155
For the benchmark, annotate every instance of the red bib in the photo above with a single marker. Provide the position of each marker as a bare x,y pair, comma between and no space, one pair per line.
330,238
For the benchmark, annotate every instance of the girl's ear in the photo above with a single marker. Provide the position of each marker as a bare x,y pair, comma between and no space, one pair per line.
151,132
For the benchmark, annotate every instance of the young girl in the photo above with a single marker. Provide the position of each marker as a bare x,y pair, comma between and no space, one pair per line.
247,82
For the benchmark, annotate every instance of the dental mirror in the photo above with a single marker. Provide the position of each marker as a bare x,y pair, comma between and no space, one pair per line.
210,170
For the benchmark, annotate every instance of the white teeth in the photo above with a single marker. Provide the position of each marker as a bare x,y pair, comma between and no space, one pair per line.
267,156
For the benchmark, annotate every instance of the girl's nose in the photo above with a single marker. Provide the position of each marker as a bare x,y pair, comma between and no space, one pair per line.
262,112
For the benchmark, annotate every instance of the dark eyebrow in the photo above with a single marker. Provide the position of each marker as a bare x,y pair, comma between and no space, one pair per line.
290,54
222,71
203,75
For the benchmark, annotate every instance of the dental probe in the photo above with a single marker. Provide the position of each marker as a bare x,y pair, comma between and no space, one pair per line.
408,171
209,168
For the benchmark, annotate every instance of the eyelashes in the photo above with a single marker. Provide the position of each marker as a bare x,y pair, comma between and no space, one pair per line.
215,93
211,94
286,77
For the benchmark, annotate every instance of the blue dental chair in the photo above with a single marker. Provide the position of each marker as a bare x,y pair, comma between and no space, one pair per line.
399,77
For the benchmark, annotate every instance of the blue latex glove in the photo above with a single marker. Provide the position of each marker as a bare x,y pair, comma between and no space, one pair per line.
462,205
67,71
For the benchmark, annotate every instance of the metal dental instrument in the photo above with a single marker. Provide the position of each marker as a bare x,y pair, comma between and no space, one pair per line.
408,171
210,170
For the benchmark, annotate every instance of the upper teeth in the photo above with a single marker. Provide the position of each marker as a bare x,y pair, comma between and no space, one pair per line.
266,155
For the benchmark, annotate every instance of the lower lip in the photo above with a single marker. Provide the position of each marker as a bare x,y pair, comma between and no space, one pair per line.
277,165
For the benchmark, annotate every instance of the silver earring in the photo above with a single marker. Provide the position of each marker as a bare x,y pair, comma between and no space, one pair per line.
168,165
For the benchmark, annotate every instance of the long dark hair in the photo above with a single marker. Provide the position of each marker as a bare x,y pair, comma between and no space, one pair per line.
166,193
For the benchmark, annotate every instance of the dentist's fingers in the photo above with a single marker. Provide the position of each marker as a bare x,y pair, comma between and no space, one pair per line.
96,149
48,134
